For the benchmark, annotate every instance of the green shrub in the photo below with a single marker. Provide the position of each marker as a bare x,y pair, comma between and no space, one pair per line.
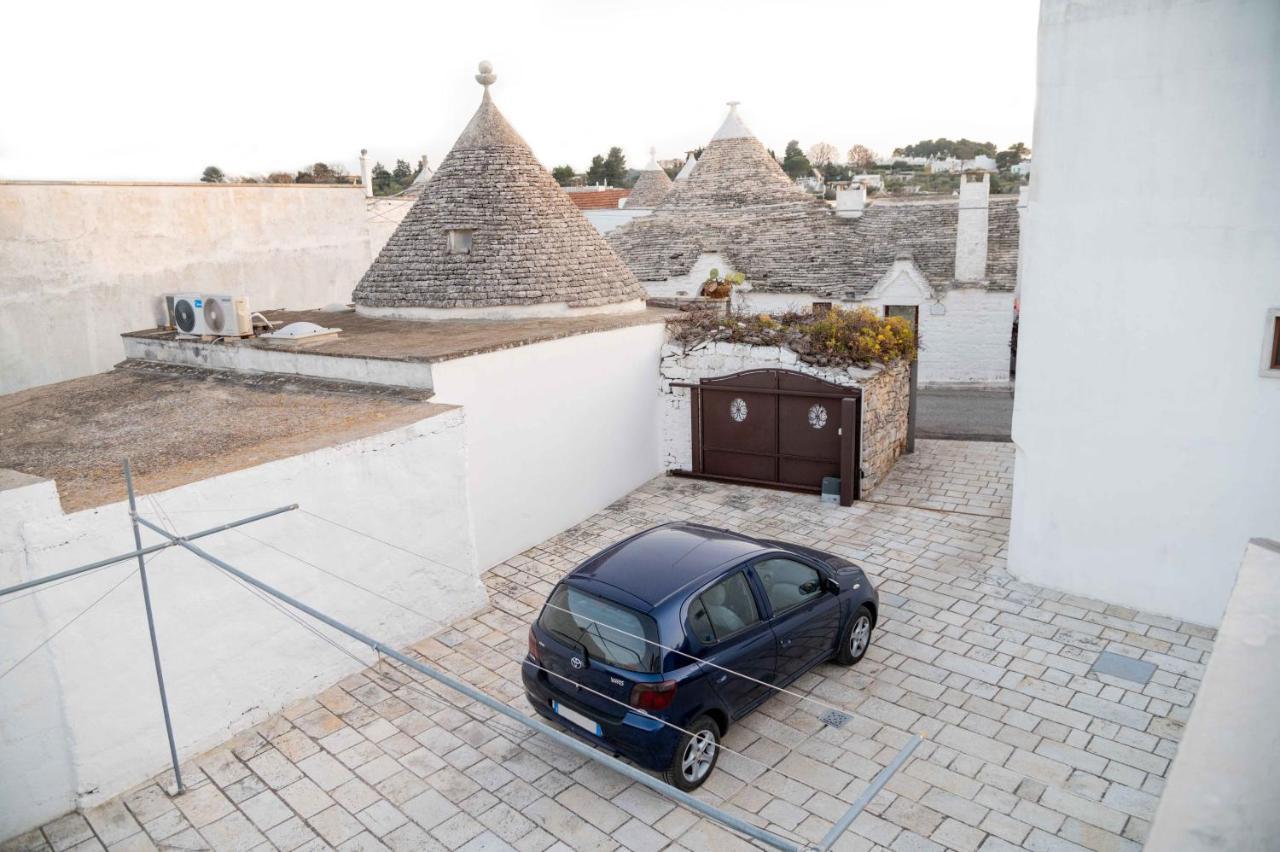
841,336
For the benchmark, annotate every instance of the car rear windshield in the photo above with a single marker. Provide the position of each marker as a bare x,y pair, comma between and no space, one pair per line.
609,632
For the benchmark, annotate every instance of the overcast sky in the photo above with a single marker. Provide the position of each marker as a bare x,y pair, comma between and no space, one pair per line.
157,91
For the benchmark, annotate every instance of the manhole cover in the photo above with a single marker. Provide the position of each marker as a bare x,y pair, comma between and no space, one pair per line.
1126,668
835,718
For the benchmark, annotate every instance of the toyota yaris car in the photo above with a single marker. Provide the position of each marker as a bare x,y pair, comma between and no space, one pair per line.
654,647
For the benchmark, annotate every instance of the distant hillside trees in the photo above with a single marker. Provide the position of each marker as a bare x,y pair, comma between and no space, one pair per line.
1014,154
563,174
610,169
213,174
962,149
794,161
861,157
823,154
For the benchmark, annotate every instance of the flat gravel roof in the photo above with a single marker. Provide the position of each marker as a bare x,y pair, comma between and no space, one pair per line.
183,424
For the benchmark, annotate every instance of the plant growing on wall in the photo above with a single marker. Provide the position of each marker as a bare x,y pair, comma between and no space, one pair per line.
716,287
837,337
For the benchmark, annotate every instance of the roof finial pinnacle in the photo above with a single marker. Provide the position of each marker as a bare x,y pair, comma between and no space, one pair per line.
653,152
733,105
486,77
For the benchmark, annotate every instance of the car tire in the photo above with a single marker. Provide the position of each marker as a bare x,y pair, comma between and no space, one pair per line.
695,755
855,639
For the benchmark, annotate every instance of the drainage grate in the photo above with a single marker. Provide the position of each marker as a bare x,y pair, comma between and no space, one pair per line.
1126,668
835,718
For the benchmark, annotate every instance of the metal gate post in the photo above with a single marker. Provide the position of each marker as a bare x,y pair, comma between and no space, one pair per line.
151,624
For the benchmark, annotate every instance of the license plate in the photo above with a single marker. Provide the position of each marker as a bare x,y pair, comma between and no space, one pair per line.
577,718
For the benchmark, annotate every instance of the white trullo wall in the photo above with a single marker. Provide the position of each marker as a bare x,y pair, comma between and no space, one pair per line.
1147,444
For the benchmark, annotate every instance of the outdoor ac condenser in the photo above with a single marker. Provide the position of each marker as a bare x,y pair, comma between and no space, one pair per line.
210,314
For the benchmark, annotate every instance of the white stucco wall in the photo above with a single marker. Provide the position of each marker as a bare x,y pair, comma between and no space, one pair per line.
1146,440
967,344
606,220
81,263
691,283
557,430
80,721
1232,739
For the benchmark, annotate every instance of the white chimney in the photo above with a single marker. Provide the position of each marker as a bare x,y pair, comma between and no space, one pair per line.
366,174
851,202
971,226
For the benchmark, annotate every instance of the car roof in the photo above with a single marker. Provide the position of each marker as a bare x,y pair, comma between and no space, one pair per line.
660,562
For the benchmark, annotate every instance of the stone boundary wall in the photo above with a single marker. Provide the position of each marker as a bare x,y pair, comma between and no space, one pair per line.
885,397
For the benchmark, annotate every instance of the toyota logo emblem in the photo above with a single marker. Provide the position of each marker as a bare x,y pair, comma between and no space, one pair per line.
576,662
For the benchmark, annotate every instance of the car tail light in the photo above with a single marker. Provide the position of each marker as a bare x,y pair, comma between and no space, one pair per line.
653,696
533,646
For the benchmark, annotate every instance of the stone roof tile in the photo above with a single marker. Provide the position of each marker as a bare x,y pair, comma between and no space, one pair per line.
530,244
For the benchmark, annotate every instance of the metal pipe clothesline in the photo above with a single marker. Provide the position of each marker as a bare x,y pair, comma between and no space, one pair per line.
172,540
727,819
141,551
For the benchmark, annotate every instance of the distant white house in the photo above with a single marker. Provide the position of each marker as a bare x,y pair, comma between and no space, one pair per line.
1021,169
952,165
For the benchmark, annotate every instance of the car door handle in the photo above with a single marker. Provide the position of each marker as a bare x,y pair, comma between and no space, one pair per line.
722,679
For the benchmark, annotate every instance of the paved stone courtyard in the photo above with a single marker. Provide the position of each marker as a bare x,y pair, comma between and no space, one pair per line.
1027,748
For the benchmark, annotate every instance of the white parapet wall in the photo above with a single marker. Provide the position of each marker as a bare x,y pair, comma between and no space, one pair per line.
1223,788
80,720
885,397
85,262
557,431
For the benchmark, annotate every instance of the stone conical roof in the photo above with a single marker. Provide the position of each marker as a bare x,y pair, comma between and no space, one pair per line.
740,204
735,170
651,187
531,251
425,172
687,169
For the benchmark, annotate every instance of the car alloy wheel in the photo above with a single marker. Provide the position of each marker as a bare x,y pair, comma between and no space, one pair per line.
860,636
698,757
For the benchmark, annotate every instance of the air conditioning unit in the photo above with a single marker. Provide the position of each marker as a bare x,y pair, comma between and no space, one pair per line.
209,314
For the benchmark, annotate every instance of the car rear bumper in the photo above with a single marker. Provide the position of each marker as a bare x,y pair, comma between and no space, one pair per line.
641,739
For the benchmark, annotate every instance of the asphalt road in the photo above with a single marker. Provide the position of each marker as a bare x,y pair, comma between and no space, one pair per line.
964,414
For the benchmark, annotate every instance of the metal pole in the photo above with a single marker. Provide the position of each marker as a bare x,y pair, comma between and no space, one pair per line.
742,826
876,785
151,624
124,557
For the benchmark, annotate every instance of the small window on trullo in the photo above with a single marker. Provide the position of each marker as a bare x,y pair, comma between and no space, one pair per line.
460,240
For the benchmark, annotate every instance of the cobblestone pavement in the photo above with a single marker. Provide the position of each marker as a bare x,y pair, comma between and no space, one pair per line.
1027,748
973,477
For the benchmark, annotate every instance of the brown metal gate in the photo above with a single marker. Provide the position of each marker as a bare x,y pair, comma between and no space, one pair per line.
778,428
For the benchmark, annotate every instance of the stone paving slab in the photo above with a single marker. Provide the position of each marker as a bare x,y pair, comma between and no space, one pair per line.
1027,748
973,477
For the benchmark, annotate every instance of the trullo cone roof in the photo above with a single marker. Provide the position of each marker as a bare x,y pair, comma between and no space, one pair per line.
529,243
651,187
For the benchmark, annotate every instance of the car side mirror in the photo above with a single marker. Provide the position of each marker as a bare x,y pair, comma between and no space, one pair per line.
830,585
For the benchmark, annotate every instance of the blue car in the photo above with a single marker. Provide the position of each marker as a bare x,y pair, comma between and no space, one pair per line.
691,626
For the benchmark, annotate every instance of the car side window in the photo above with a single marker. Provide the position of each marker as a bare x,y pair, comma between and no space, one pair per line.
723,610
788,583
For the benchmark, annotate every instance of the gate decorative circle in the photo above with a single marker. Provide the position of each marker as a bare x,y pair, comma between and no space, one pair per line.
738,409
817,416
